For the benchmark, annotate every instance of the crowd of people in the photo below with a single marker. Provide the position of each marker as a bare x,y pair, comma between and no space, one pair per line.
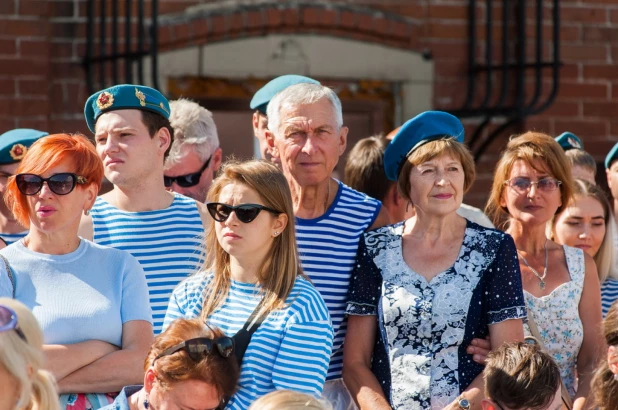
190,282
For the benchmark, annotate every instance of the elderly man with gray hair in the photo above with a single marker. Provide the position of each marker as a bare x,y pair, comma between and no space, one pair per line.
195,155
306,132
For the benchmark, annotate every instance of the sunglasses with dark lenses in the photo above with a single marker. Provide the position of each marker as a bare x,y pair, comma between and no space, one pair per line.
60,184
186,181
8,321
244,212
200,347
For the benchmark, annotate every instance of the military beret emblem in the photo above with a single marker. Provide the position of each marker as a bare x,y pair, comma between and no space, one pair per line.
105,100
141,97
18,151
574,143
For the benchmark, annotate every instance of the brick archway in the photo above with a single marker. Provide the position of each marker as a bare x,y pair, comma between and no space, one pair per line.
222,22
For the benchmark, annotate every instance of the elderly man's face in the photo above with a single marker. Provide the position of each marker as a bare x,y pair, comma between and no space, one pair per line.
309,142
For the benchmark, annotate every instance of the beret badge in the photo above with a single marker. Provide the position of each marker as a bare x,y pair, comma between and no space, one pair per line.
18,151
574,143
105,100
141,97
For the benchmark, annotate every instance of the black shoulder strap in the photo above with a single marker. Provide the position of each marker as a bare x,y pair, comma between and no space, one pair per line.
9,272
243,337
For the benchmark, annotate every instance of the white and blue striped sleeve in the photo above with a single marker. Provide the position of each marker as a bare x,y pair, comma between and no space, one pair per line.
303,358
176,307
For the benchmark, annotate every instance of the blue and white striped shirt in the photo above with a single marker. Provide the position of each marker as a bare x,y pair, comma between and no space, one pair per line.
167,243
10,238
609,294
290,350
327,247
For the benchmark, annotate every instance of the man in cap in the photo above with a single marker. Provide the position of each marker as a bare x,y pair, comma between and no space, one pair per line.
260,101
195,155
583,165
306,133
13,146
163,230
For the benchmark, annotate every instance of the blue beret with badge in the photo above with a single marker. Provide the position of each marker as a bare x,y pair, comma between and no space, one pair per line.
612,156
568,141
125,97
263,96
425,127
15,143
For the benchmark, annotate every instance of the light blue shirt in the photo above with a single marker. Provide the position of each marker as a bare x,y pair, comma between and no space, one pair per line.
87,294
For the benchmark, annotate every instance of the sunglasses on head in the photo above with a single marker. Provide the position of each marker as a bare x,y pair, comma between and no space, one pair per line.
200,347
60,184
8,321
186,181
244,212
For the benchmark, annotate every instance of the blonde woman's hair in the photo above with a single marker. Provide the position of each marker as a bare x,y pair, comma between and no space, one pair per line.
529,147
604,258
23,361
282,264
289,400
604,387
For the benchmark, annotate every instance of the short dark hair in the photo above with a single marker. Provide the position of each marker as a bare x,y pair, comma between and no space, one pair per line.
364,168
521,376
578,157
154,122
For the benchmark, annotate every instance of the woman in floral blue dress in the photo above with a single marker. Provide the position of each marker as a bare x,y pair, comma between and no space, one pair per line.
422,289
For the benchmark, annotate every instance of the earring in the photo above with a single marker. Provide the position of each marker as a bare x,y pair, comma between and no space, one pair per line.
86,212
616,377
276,233
146,404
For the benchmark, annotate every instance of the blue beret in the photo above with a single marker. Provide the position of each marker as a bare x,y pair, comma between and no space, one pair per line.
425,127
612,156
15,143
568,140
263,96
125,97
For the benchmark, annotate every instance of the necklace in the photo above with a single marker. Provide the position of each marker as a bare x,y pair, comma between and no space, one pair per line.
541,278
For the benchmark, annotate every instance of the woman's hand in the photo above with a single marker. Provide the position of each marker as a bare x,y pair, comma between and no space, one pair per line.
479,349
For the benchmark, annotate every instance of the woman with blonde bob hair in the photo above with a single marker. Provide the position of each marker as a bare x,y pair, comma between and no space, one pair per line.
25,385
423,288
289,400
252,286
532,183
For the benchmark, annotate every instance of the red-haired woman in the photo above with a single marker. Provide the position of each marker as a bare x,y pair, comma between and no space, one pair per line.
190,366
91,301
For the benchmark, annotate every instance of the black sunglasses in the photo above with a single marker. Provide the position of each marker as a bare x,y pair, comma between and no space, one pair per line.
62,183
244,212
188,180
8,321
200,347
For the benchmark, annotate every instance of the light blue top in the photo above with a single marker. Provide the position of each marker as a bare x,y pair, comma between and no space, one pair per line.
84,295
290,350
327,247
166,242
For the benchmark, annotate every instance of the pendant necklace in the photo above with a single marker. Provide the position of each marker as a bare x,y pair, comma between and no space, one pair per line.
541,278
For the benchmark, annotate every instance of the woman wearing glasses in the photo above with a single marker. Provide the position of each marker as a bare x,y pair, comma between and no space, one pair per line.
25,385
189,366
252,287
91,301
531,184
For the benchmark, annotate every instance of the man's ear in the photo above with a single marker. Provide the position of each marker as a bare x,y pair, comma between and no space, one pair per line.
256,122
217,157
164,138
343,139
270,141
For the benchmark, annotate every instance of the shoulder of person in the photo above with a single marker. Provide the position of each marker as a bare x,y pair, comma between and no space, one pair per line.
193,286
305,298
357,196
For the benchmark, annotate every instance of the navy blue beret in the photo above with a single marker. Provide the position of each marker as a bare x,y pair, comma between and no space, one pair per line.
425,127
263,96
15,143
568,140
612,156
125,97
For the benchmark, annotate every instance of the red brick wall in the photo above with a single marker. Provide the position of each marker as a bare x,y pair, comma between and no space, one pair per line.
42,44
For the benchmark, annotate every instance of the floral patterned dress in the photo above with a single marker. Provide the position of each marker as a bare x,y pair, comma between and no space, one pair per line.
557,317
424,327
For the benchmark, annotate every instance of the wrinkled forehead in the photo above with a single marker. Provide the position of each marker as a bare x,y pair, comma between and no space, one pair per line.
318,113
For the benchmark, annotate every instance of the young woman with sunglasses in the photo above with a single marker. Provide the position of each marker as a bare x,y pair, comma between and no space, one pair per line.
23,382
189,366
532,183
252,267
91,301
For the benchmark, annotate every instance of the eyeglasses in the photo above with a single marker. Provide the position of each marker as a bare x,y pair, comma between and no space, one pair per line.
62,183
200,347
186,181
8,321
523,185
244,212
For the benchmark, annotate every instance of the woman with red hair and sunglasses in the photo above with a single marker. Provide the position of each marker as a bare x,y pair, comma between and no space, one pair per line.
189,366
91,301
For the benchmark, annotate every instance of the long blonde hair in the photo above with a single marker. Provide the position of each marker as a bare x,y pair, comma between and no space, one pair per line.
289,400
281,265
23,361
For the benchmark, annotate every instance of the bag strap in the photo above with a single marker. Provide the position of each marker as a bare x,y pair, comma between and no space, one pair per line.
564,393
9,271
